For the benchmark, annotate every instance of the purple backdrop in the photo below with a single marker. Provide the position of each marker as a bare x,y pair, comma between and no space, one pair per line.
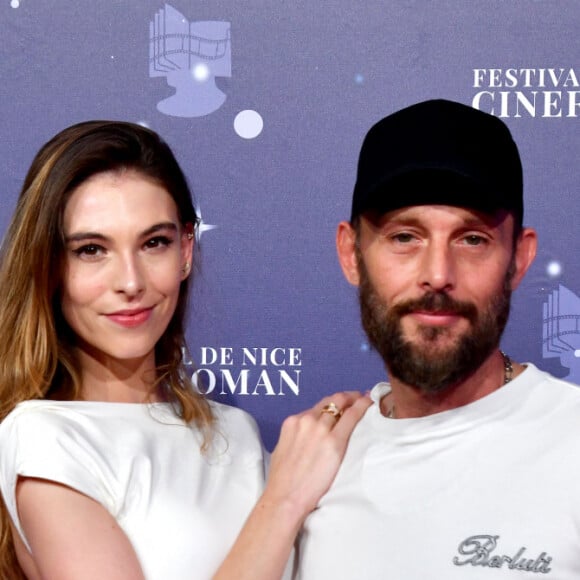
265,105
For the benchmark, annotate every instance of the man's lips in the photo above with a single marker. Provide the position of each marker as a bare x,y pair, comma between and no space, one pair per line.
130,318
435,318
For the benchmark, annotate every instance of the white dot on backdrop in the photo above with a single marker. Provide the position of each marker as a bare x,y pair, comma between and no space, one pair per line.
248,124
200,72
359,79
577,353
554,269
15,3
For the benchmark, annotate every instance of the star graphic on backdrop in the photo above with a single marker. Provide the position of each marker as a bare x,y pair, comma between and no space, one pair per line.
202,226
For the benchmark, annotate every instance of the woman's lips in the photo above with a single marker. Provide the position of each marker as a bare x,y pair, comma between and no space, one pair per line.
130,318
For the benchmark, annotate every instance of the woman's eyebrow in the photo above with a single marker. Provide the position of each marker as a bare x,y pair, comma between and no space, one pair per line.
83,236
160,226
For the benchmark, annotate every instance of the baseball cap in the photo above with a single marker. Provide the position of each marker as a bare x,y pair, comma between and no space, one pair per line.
439,152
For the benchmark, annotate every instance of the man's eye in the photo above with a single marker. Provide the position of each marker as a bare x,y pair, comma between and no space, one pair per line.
474,240
403,238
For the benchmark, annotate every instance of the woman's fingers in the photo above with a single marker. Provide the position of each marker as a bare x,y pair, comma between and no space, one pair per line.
349,419
336,404
331,410
311,447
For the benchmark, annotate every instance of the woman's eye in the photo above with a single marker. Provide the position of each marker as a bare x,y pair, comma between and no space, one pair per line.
89,250
158,241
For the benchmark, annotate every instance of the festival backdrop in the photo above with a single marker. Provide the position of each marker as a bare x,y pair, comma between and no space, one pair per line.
265,105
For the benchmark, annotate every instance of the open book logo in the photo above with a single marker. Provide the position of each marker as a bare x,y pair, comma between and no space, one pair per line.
561,330
190,55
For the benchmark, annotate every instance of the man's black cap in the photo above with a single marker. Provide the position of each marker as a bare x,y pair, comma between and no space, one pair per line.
439,152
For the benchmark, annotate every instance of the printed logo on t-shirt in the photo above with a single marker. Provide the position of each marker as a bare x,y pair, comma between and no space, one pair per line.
483,550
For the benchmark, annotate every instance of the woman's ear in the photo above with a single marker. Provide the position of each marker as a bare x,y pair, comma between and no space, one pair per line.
187,245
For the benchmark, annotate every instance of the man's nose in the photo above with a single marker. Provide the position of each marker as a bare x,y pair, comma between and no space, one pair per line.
437,267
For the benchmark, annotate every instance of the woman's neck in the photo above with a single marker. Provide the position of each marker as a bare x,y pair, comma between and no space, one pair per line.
114,380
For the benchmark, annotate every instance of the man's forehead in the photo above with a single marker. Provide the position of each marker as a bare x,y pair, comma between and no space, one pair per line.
432,214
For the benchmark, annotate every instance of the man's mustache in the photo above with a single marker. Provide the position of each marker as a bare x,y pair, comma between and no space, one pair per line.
436,302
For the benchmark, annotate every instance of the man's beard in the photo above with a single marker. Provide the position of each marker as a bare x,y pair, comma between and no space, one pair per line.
423,364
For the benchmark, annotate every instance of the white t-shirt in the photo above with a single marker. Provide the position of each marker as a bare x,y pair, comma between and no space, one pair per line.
486,491
180,508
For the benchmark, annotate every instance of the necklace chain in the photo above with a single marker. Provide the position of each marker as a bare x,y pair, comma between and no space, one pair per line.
508,368
508,375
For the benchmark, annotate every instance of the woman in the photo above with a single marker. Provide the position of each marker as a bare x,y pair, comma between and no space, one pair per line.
111,465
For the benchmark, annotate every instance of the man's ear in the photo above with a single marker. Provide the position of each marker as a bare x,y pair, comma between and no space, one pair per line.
525,252
346,248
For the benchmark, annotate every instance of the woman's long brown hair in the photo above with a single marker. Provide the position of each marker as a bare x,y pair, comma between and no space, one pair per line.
37,352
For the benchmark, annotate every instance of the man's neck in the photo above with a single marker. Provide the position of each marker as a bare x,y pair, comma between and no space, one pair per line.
406,401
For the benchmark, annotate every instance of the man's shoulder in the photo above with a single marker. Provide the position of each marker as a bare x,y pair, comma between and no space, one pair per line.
551,385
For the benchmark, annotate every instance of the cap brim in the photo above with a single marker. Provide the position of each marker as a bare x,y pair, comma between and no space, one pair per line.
430,187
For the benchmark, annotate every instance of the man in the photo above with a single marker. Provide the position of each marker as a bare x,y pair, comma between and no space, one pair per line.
467,464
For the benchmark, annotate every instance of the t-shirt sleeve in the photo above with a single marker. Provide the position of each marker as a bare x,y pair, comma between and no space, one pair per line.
49,444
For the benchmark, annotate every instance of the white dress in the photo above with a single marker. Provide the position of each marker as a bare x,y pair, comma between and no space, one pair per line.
181,508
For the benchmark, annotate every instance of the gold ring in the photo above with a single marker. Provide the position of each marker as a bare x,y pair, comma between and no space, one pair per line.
332,409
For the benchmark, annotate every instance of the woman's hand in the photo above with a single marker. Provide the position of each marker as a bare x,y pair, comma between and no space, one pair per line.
304,465
310,451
